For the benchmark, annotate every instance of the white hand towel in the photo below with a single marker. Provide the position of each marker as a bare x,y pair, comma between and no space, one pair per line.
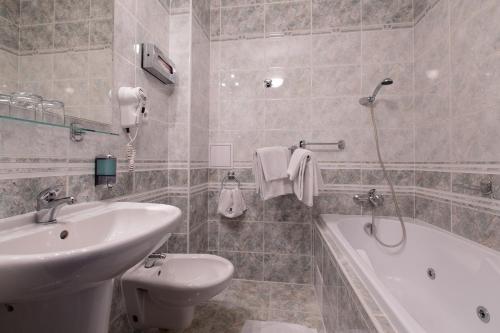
269,189
274,161
306,176
225,202
231,203
239,206
309,183
298,157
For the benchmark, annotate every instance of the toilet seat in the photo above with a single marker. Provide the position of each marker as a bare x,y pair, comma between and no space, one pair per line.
164,295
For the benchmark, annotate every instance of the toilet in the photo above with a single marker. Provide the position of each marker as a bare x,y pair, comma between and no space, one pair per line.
164,296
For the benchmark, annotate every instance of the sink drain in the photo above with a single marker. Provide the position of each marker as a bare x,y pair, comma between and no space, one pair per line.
9,308
64,234
483,314
431,273
368,228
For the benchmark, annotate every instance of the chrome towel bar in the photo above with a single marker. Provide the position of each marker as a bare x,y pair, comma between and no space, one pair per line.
303,144
340,144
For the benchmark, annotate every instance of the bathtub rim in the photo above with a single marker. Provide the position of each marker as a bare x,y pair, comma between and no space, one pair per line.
380,299
379,318
354,268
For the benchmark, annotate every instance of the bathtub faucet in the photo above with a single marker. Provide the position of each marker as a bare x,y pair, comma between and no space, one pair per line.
372,197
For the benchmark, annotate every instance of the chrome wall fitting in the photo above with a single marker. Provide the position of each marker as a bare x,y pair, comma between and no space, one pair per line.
483,314
76,132
431,273
486,188
373,198
303,144
230,176
340,144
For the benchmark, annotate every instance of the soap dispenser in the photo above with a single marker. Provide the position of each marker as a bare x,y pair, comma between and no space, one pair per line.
105,170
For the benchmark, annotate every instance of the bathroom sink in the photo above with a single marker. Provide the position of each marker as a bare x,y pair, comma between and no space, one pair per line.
90,243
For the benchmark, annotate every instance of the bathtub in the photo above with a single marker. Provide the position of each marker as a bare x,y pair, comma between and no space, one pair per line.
401,281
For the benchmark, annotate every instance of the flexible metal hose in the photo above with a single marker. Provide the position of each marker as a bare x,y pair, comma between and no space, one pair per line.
396,204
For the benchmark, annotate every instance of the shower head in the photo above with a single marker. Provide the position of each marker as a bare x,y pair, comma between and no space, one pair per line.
365,101
387,82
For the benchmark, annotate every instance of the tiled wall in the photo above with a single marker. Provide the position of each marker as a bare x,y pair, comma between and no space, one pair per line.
329,53
9,45
34,157
456,116
271,242
437,122
188,121
178,122
64,53
171,161
200,95
437,131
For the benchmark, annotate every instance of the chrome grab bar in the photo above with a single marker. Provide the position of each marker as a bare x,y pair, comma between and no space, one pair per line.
340,144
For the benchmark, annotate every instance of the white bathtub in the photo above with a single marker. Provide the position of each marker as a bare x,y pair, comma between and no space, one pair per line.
467,275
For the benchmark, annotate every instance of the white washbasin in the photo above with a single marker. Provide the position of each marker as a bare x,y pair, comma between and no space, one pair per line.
90,244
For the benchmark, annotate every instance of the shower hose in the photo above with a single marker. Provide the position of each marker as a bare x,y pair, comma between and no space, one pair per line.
393,193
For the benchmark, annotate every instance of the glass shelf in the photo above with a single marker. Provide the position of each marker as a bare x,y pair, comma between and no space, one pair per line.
39,122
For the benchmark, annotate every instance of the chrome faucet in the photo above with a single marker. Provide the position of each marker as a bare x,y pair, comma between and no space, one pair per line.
153,258
48,205
372,197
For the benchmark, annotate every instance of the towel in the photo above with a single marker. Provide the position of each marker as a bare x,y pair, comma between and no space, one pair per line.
273,188
299,156
305,174
231,203
274,161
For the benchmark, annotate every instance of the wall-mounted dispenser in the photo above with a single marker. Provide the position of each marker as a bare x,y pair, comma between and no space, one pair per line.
157,64
105,170
133,109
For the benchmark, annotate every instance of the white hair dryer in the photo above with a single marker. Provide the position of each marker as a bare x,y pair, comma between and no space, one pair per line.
132,103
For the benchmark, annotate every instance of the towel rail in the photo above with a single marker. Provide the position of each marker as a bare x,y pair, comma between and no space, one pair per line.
303,144
340,144
230,176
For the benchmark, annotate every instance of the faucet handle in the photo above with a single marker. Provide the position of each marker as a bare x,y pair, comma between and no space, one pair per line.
49,194
152,258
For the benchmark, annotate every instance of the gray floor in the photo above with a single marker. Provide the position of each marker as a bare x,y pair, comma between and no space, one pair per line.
243,300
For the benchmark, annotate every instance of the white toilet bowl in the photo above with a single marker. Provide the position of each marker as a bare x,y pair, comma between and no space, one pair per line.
164,296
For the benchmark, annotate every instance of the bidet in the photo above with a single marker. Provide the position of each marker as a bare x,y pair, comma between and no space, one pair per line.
164,296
